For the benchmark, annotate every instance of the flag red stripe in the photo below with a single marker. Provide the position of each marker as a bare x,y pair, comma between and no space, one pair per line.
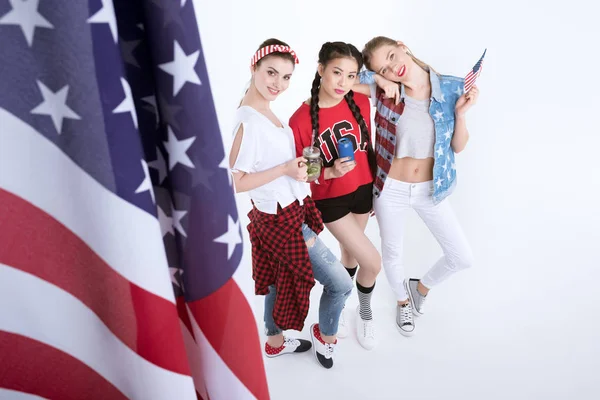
36,243
35,368
231,331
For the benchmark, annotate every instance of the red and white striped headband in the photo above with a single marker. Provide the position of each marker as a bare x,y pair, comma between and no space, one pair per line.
274,48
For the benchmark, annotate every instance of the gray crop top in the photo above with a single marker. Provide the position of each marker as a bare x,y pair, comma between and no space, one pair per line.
415,133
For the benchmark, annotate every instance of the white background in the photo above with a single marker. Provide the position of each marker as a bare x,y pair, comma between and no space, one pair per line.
524,322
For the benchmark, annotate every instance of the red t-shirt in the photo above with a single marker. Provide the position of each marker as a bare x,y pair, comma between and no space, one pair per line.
334,123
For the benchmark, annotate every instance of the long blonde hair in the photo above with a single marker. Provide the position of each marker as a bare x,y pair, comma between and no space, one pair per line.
379,41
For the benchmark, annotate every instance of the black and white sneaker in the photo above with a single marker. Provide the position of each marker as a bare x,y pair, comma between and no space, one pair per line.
289,346
323,351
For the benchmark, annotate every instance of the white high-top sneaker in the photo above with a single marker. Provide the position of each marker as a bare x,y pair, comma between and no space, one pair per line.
343,324
365,331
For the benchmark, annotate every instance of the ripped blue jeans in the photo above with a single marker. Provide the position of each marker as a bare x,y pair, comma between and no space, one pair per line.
337,286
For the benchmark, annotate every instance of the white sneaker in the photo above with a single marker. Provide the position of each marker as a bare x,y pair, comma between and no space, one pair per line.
365,331
343,324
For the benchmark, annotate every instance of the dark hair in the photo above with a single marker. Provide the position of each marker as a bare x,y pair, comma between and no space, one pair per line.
331,51
273,41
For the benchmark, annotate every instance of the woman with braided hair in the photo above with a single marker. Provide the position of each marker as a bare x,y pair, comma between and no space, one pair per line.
287,255
343,191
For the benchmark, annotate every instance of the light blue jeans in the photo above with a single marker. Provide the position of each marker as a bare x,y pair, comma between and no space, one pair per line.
337,286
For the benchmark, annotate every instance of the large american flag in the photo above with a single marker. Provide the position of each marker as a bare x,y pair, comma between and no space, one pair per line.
119,234
474,73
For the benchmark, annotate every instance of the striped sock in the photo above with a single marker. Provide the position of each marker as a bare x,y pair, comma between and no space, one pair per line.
364,298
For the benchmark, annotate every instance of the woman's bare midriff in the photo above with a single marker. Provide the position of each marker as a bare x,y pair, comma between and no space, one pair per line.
412,170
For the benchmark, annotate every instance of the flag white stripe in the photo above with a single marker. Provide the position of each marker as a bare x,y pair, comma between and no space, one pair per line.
221,382
195,360
6,394
44,312
35,169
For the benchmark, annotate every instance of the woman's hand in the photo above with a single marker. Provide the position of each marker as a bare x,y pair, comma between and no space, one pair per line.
391,89
340,167
296,169
466,101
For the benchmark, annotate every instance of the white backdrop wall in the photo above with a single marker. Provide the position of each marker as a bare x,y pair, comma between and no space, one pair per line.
523,323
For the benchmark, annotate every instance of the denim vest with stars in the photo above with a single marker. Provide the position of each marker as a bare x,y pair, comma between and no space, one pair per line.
445,91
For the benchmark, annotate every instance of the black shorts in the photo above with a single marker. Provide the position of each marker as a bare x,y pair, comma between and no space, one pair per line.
358,202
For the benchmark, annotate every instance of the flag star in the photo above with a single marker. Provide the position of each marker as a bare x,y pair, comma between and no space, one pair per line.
177,150
146,184
442,98
438,115
232,237
25,14
168,112
127,49
106,15
182,68
175,276
141,26
127,103
202,175
440,151
159,165
225,165
439,182
447,134
151,100
55,105
458,91
166,222
169,13
448,175
445,166
453,166
177,216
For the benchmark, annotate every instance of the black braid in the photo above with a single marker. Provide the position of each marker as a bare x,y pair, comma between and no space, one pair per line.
365,134
314,108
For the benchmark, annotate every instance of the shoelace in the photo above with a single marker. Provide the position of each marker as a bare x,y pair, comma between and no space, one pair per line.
406,314
369,330
329,350
291,342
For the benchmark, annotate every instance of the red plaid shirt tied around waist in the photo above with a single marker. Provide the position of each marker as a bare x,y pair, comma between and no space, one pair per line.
280,258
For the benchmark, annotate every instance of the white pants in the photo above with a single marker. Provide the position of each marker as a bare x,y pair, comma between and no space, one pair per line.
391,207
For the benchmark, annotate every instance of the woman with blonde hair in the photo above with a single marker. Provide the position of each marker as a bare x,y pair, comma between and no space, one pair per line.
421,125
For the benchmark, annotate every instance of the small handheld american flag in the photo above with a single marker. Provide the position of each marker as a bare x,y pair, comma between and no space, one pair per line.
474,73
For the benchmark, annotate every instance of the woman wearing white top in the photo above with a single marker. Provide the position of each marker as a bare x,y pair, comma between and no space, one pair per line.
264,164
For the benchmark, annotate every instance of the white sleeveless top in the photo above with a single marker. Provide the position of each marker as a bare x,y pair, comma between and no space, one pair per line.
263,147
415,133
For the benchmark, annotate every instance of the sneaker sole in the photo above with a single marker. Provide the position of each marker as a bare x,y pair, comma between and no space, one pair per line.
412,301
405,333
280,354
